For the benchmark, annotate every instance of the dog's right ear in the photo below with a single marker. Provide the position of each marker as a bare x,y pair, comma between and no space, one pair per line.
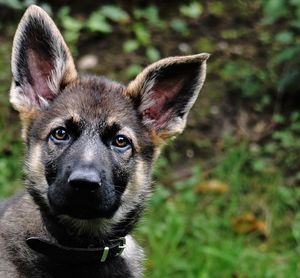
41,64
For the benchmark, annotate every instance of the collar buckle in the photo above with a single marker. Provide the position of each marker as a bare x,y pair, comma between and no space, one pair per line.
106,250
122,247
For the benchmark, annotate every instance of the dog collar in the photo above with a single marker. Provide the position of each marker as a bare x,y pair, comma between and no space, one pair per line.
75,255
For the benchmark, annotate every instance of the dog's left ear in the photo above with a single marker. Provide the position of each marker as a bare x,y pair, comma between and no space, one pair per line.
165,91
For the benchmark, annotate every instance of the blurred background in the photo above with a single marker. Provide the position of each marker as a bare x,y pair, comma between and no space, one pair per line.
227,190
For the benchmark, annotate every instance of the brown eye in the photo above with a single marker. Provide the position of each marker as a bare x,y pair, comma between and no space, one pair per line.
121,141
60,134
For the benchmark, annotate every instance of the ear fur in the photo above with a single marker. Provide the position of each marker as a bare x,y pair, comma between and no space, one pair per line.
165,92
41,64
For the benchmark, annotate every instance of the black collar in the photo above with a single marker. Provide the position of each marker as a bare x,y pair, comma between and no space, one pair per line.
61,253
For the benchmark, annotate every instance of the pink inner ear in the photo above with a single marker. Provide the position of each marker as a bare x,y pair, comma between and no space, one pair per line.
40,71
162,93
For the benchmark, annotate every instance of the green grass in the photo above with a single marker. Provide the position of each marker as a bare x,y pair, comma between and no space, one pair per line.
190,234
10,141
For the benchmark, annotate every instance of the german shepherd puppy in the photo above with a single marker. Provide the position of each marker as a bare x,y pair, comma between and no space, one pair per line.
91,144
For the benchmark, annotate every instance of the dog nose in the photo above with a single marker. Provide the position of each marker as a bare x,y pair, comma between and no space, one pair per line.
85,180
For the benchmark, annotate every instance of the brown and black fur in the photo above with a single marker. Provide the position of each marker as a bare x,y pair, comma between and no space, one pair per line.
63,202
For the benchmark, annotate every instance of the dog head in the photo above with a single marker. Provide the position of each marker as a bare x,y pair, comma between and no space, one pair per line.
91,142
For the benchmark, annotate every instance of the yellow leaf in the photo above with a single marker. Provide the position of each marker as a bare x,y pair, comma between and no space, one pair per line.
214,186
248,223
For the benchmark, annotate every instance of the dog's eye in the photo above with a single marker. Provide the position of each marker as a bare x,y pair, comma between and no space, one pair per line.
121,141
60,134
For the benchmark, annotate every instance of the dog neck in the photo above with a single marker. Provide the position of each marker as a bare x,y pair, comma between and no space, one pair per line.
78,233
71,246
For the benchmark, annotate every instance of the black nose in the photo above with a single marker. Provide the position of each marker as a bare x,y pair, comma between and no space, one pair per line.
85,180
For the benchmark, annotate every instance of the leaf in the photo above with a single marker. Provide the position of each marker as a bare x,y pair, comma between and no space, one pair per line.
98,23
192,10
284,37
142,34
213,186
151,14
115,13
14,4
133,70
230,34
180,26
130,46
274,10
216,8
152,54
279,118
68,22
72,24
296,228
288,79
286,55
248,223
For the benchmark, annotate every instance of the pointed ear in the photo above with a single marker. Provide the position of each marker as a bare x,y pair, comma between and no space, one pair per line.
41,63
165,91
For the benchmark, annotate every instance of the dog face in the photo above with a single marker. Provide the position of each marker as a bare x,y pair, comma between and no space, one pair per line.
91,142
91,145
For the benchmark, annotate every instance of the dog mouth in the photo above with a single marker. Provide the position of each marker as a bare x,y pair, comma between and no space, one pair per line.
97,202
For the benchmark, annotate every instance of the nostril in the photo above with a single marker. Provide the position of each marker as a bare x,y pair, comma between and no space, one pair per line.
86,181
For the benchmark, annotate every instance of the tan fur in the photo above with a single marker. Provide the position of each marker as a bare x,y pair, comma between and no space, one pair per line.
75,117
36,169
36,164
26,119
139,180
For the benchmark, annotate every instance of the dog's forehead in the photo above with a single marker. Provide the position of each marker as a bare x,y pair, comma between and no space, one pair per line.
94,100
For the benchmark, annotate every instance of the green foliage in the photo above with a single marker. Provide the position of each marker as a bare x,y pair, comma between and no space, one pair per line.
192,10
152,54
216,8
16,4
115,13
141,33
287,143
10,166
244,76
108,18
133,70
98,23
72,27
100,20
23,4
130,46
194,231
274,10
180,26
283,19
151,15
10,142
